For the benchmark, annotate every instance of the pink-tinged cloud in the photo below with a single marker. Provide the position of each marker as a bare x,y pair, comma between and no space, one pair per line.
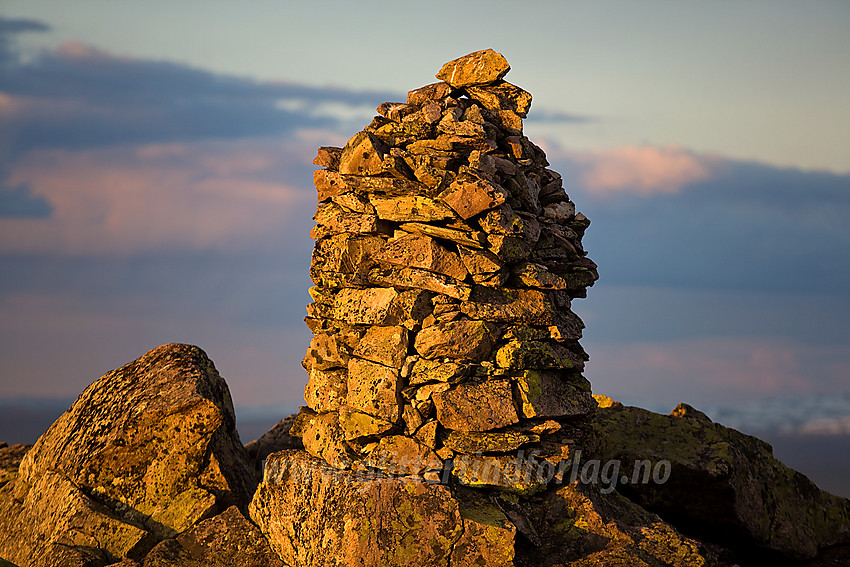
640,170
190,197
710,370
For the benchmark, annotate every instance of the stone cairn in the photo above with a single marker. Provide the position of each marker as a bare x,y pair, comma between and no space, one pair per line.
446,258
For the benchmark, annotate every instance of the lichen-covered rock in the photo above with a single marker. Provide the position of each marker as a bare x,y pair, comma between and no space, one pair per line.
477,407
144,453
317,516
477,68
724,486
225,540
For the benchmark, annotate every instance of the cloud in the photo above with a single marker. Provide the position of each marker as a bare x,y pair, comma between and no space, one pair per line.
639,170
715,369
722,224
555,116
8,26
77,97
221,196
20,202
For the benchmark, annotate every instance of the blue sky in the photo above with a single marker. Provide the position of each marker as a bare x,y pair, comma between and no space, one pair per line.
155,180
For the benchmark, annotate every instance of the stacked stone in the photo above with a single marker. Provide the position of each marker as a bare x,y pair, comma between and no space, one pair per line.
446,258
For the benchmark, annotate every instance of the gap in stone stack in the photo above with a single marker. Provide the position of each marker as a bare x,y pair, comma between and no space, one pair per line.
446,258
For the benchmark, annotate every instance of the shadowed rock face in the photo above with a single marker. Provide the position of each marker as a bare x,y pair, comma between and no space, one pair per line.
724,486
144,453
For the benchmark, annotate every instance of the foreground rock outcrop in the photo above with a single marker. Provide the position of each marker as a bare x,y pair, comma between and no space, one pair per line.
145,453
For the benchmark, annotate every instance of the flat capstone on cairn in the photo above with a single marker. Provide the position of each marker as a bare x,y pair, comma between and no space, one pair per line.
446,258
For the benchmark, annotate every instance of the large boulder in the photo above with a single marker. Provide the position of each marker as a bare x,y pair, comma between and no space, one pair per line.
723,486
145,452
315,515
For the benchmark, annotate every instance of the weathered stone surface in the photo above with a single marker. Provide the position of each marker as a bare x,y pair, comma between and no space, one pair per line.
434,91
144,452
379,306
487,442
547,393
398,454
356,424
477,68
406,208
362,155
384,345
513,473
487,534
502,96
717,487
222,541
464,238
423,252
317,516
469,198
416,278
528,306
328,156
333,219
477,407
323,437
461,340
326,390
537,276
442,370
537,355
374,389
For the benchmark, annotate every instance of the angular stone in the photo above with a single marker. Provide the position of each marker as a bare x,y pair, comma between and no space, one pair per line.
374,389
416,278
325,352
384,345
537,355
323,437
426,370
423,252
467,128
157,435
477,407
469,198
427,434
470,239
513,473
487,534
355,424
486,442
546,393
326,390
332,219
434,91
508,249
529,306
432,112
461,340
397,454
226,539
560,212
379,306
410,208
477,68
328,184
537,276
362,155
328,156
479,261
502,220
354,519
502,96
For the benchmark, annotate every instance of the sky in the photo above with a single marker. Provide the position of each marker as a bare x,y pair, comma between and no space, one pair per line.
156,180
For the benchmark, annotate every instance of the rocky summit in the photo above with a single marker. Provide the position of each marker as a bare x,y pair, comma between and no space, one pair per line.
447,419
